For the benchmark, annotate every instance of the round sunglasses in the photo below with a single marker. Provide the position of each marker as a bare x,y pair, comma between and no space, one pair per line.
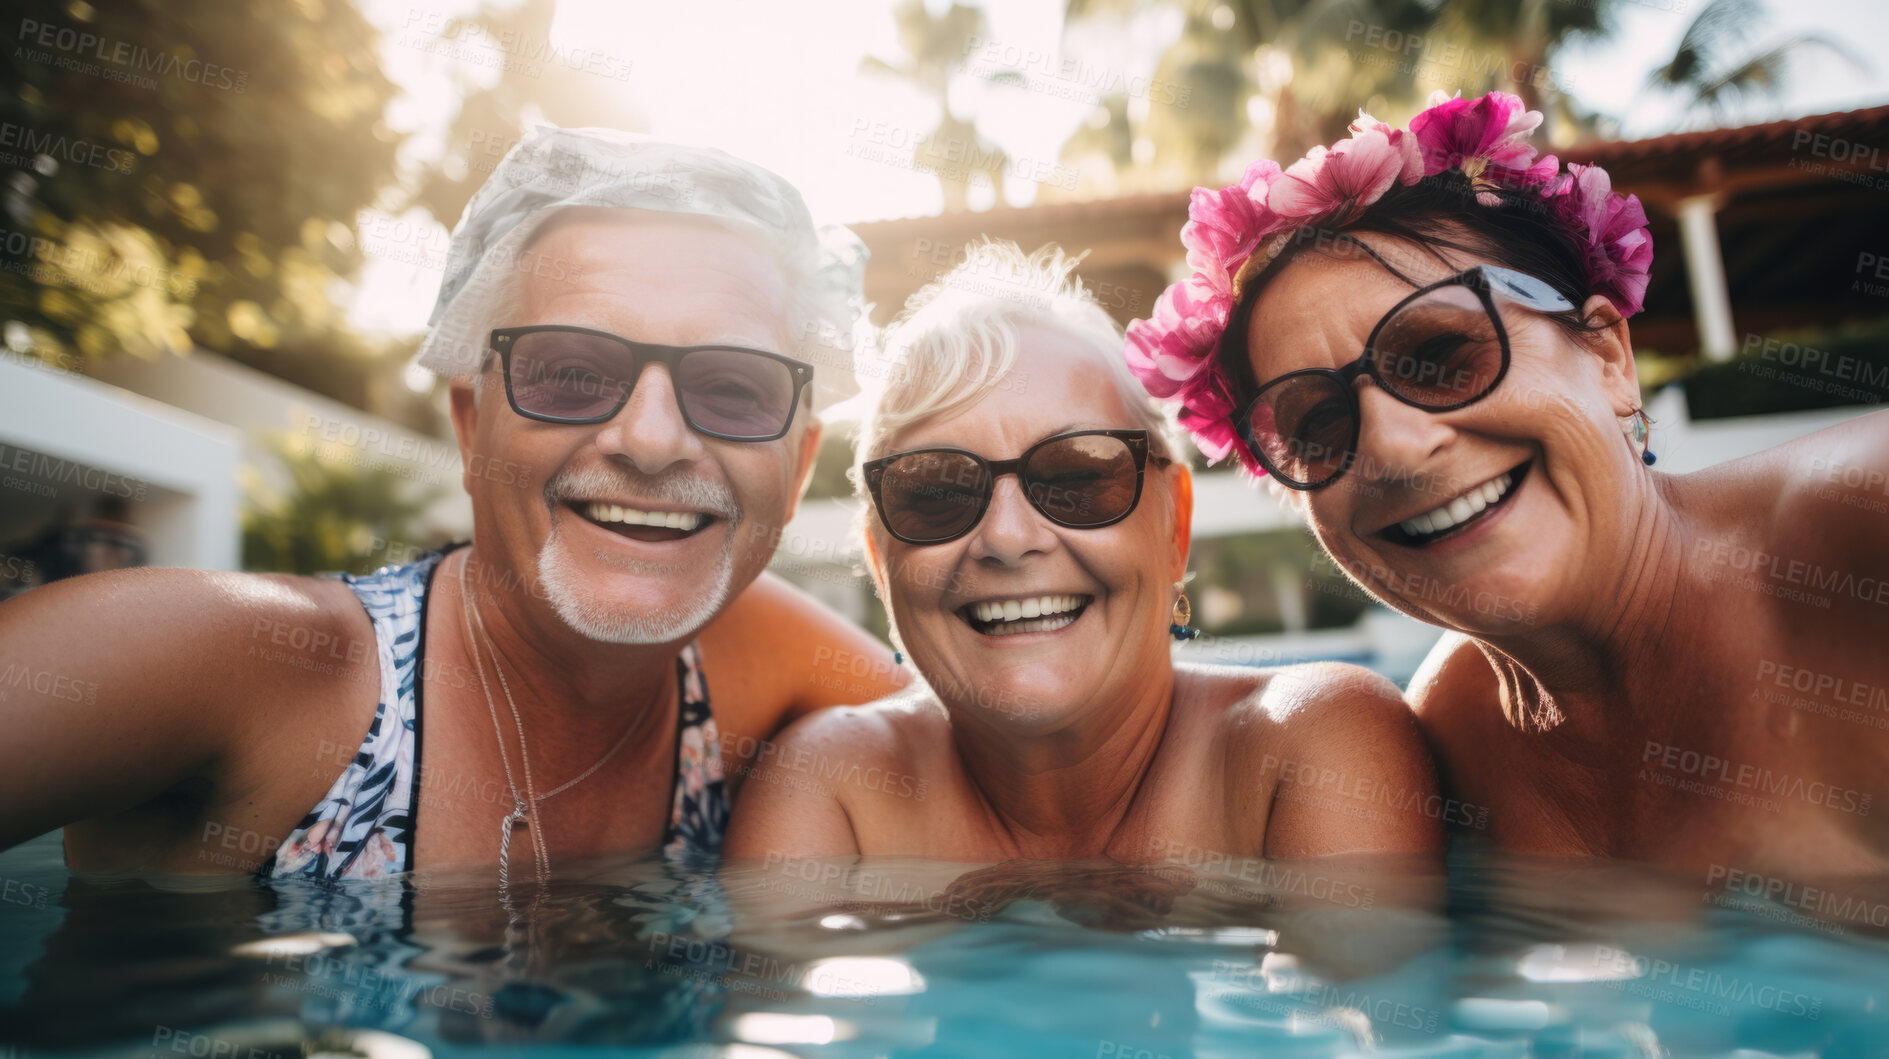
1085,479
556,373
1441,348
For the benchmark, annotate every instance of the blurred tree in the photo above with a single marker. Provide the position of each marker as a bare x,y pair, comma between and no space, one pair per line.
333,516
191,171
1706,68
936,47
1271,78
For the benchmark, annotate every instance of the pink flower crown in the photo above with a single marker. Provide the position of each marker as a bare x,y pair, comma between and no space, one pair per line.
1232,232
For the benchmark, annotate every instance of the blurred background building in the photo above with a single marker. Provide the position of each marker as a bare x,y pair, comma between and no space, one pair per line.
224,225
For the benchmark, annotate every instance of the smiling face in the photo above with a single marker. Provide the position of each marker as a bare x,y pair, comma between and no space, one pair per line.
638,529
1021,621
1490,518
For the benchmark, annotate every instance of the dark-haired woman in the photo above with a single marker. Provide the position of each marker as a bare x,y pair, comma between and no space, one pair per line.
1421,333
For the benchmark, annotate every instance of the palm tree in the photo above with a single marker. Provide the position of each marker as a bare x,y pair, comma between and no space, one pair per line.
936,47
1698,67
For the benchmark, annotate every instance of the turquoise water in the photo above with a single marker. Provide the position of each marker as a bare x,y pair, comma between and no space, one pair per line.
807,958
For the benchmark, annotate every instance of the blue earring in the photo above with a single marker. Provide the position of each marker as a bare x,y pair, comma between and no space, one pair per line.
1183,613
898,657
1637,435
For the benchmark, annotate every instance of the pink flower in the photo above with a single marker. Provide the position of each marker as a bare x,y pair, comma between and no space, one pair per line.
1207,414
1170,347
1173,351
1224,225
1350,175
1612,229
1486,138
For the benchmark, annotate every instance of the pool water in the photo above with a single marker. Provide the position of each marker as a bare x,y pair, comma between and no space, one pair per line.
786,957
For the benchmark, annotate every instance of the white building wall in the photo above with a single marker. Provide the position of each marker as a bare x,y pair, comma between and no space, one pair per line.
83,439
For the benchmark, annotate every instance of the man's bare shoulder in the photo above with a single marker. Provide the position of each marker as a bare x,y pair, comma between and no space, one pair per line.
791,655
784,609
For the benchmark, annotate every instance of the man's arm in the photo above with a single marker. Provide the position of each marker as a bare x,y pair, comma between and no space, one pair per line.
116,688
789,651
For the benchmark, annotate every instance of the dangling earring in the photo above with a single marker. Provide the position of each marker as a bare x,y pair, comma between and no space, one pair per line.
1636,426
1183,613
898,657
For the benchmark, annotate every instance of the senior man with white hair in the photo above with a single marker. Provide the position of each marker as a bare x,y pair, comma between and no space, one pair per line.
639,336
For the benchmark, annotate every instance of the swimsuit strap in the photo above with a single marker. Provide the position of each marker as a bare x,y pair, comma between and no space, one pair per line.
363,828
698,816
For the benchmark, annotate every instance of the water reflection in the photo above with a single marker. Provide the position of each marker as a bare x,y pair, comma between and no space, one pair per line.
1517,957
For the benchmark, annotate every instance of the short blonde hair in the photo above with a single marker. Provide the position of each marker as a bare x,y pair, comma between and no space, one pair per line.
956,341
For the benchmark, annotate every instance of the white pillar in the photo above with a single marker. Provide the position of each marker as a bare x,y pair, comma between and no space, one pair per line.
1705,268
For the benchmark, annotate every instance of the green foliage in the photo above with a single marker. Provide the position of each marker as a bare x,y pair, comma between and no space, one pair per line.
830,467
333,517
1259,568
1794,372
196,171
1272,78
1714,66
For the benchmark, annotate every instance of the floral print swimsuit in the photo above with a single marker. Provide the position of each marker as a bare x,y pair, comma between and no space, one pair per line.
364,828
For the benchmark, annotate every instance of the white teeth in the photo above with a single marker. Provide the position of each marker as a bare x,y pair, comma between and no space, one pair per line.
1027,611
1461,509
680,520
1048,624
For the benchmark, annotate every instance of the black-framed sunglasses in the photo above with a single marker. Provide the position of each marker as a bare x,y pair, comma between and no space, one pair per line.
1440,349
556,373
1085,479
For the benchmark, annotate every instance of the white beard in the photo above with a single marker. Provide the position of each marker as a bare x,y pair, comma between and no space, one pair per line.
578,605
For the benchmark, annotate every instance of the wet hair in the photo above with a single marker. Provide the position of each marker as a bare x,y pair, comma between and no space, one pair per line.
1441,212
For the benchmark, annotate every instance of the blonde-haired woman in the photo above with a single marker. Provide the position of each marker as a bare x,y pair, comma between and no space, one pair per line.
1028,531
